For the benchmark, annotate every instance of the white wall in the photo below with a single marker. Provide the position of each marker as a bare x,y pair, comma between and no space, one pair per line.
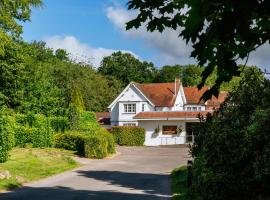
153,139
132,95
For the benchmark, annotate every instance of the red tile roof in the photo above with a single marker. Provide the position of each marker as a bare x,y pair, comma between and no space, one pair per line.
172,114
193,94
104,118
160,94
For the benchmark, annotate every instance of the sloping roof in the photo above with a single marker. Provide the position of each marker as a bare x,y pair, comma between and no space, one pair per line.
174,114
193,94
161,94
104,118
215,102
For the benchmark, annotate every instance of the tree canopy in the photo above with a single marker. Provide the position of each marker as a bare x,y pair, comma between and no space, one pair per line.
127,68
221,32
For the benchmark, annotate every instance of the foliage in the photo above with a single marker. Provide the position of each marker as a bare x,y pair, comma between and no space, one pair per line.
129,136
6,136
179,183
59,124
43,137
23,135
88,122
33,164
71,140
126,68
220,32
96,147
232,146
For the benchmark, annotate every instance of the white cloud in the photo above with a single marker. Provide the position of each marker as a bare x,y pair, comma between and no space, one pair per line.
81,52
170,47
260,57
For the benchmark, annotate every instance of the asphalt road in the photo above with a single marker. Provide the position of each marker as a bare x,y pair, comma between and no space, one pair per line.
137,173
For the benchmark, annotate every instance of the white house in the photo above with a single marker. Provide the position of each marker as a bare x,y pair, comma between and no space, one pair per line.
167,111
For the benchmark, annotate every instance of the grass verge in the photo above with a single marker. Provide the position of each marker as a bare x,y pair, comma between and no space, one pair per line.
29,164
179,183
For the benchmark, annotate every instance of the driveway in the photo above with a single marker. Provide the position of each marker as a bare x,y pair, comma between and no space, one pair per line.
137,173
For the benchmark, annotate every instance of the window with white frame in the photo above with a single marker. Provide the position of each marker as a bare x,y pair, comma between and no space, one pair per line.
129,108
188,108
143,107
129,124
194,108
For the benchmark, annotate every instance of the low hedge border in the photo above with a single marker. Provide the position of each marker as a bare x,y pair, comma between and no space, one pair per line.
129,135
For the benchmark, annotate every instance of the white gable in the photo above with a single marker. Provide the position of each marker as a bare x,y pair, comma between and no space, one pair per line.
132,94
180,100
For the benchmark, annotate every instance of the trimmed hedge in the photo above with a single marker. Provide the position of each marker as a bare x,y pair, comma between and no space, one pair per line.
96,146
90,145
59,124
70,141
43,137
7,140
88,122
129,135
23,135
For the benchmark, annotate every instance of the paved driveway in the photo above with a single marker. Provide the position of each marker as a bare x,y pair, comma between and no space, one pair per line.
137,173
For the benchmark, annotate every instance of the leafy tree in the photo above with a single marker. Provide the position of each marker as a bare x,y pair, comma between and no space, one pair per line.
168,73
233,146
191,75
221,32
126,68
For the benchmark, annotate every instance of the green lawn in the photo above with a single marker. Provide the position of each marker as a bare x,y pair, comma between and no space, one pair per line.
179,183
29,164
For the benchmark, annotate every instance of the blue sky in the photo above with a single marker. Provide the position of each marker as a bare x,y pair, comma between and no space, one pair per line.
92,29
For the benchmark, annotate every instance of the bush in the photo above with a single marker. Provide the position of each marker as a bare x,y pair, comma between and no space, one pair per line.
59,124
109,138
88,122
23,135
96,146
43,136
232,150
6,136
129,136
70,141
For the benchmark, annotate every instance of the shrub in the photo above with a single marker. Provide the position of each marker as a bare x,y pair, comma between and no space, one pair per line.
43,136
96,146
232,150
70,141
59,124
129,136
23,135
6,136
110,140
88,122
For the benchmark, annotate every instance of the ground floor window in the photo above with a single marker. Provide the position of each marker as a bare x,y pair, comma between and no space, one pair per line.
169,130
129,124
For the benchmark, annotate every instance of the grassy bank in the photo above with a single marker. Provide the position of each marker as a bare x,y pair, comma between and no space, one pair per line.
29,164
179,183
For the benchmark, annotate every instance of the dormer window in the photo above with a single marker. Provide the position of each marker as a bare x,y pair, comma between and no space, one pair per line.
129,108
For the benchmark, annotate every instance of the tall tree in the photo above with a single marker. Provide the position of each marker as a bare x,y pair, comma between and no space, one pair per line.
169,73
126,68
221,32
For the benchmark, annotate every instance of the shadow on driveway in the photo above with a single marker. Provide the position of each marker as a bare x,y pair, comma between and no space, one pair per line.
139,186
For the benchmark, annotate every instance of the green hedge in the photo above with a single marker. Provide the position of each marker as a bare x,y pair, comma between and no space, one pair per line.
7,140
88,122
72,140
59,124
90,145
96,146
23,135
129,135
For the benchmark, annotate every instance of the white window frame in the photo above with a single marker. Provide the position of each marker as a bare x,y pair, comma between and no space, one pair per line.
129,124
130,108
143,107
